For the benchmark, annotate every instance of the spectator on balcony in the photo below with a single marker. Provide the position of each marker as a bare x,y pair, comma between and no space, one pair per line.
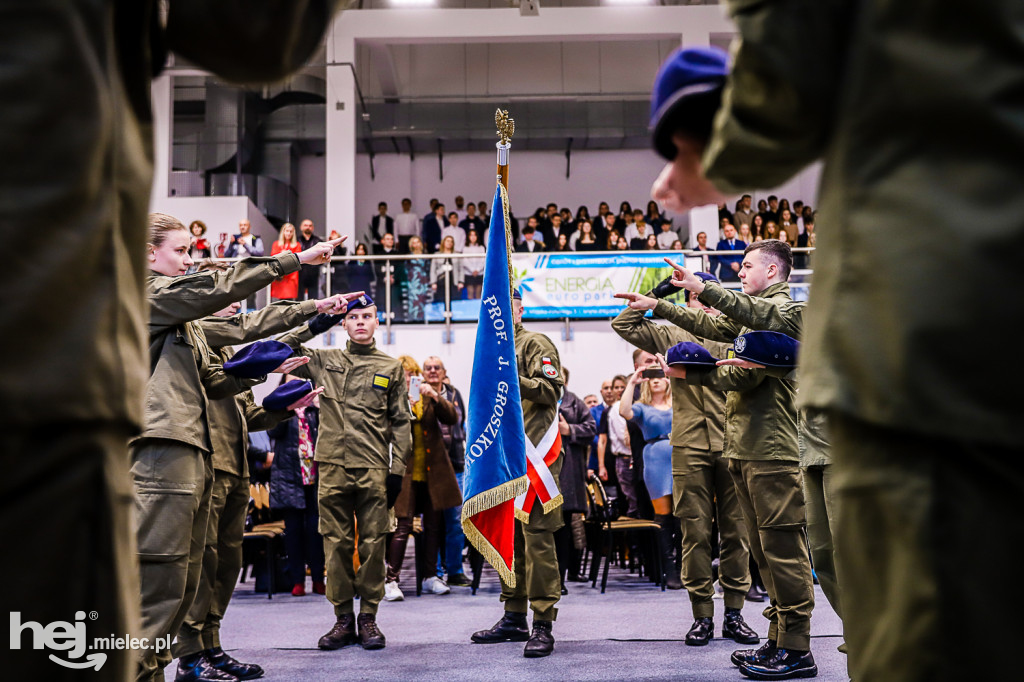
743,233
309,275
481,212
637,231
568,223
472,221
583,213
608,224
651,244
806,239
784,237
432,226
390,276
725,215
728,267
744,213
626,212
285,288
417,282
360,273
407,226
473,268
666,236
381,223
584,238
446,273
771,230
200,246
245,243
622,244
756,227
460,208
338,269
453,230
530,242
653,217
677,245
562,244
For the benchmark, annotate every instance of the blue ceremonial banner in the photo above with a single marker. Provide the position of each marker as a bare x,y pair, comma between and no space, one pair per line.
496,441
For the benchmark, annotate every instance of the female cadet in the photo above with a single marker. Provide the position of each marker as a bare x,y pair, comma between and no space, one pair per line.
170,460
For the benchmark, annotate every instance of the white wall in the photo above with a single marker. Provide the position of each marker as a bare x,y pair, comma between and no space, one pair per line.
221,214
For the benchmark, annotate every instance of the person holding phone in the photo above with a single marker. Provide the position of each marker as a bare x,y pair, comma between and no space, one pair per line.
653,414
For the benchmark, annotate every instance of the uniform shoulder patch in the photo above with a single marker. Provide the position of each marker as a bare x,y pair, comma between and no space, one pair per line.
548,369
381,382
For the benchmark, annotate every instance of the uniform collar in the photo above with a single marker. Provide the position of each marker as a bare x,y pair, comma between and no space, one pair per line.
775,289
361,349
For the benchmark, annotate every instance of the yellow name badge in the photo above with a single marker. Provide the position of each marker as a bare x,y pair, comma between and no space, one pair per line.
381,382
730,354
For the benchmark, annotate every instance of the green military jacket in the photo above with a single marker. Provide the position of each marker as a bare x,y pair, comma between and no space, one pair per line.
184,371
540,388
89,177
698,412
920,195
365,420
760,409
232,418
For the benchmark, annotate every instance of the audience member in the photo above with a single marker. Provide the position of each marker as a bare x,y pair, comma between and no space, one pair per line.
471,221
309,275
728,267
666,236
407,226
702,245
530,242
361,275
293,489
651,243
428,486
381,223
432,227
622,244
453,230
245,243
446,275
562,243
806,239
337,268
637,231
613,449
390,275
200,246
473,268
757,226
654,218
724,214
286,287
417,282
460,207
584,238
743,233
744,213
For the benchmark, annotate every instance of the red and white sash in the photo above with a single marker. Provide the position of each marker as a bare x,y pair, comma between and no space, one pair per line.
543,485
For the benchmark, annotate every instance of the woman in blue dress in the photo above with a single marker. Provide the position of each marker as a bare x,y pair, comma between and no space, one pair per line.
653,414
360,272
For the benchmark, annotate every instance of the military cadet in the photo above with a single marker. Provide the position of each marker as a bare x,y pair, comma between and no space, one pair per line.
231,419
171,466
761,444
538,585
702,486
71,407
812,427
364,412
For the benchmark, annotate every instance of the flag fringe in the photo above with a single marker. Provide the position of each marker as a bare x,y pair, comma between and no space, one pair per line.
493,497
489,553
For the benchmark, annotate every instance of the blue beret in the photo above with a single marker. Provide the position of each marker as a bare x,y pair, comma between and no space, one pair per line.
287,393
363,301
686,94
258,359
771,349
517,295
706,276
689,353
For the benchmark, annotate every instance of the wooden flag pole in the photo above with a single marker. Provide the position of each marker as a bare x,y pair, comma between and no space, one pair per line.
506,127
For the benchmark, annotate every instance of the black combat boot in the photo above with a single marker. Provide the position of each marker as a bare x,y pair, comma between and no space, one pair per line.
226,664
370,635
195,668
744,656
700,632
667,548
342,634
736,629
785,664
541,642
511,628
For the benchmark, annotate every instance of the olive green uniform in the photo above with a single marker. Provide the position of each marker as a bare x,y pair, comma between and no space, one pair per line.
538,583
812,429
87,179
230,422
761,442
701,483
171,466
364,409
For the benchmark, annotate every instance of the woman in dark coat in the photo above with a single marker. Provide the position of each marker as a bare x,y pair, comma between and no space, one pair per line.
578,428
429,487
293,485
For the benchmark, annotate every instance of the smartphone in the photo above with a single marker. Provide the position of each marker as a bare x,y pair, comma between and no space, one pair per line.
414,387
653,373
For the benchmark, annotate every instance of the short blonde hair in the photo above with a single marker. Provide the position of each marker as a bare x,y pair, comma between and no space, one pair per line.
409,364
159,225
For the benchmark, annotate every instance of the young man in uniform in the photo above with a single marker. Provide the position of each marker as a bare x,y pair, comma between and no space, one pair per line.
538,585
364,413
764,464
699,470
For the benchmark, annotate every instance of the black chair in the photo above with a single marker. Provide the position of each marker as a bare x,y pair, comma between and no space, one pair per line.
263,539
601,518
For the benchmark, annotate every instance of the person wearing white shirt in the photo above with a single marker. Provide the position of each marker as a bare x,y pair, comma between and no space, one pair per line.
460,209
666,237
407,225
455,232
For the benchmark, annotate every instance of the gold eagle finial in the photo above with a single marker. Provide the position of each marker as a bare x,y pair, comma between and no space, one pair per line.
506,126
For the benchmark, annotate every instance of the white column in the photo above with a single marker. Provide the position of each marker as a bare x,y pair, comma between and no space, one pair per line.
162,117
341,138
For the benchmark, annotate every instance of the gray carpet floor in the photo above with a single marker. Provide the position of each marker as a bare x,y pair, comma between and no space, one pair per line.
632,632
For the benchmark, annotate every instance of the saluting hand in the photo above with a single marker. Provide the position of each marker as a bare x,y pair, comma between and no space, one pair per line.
638,301
685,279
306,400
677,372
320,253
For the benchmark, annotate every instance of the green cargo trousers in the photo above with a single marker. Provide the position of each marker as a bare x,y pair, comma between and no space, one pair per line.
67,502
819,497
772,501
702,485
538,582
926,527
222,562
351,498
173,486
